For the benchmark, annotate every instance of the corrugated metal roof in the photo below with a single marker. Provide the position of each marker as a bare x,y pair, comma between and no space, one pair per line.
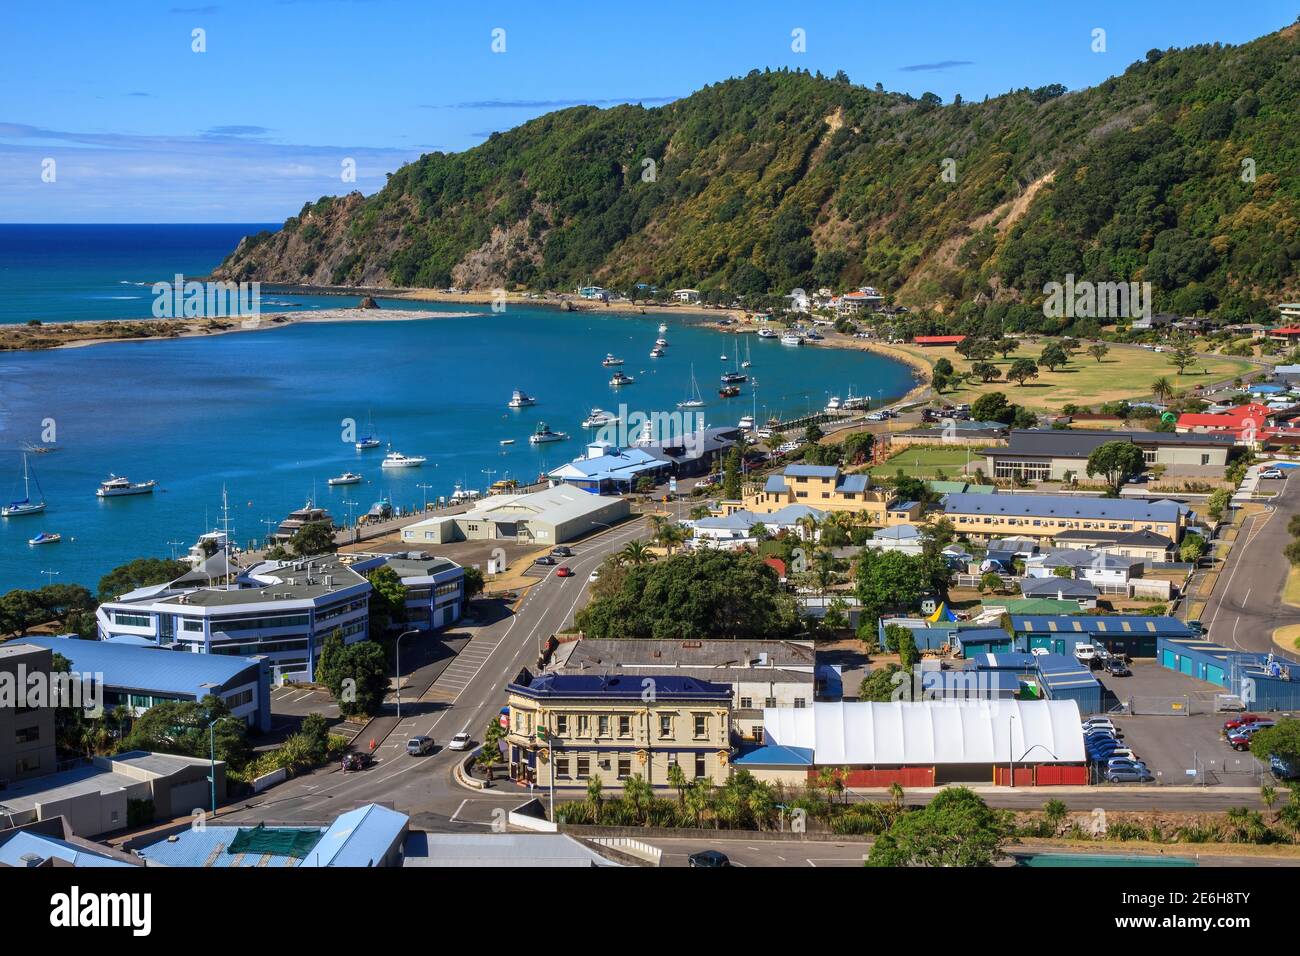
359,838
147,668
1060,506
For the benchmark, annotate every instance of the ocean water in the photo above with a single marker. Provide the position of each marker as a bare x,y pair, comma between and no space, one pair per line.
263,413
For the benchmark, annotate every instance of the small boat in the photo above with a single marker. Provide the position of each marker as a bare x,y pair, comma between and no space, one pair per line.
116,487
767,333
834,404
46,538
368,441
747,363
693,398
507,441
395,459
746,422
663,327
792,338
661,342
610,361
621,378
521,399
656,352
544,435
347,478
729,391
731,377
723,356
24,505
464,495
599,418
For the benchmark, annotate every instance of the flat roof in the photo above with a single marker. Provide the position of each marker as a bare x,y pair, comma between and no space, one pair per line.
92,778
499,849
150,668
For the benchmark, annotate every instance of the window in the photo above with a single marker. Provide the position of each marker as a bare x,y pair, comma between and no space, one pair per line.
27,764
665,725
800,702
746,703
132,620
562,724
624,726
27,735
699,765
758,733
602,725
769,702
584,725
584,767
624,767
701,726
562,766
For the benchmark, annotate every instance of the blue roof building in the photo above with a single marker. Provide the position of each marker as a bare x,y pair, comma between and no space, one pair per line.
620,686
29,846
608,470
138,677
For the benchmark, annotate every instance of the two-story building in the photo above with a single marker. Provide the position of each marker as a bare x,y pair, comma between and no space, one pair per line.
1056,454
827,488
27,743
1044,516
565,729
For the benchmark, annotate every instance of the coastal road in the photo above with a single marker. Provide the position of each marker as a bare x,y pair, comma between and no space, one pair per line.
1246,605
468,694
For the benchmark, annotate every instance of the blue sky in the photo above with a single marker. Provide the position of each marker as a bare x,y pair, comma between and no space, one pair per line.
143,129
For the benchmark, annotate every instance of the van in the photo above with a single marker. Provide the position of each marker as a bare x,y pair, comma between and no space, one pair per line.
1085,651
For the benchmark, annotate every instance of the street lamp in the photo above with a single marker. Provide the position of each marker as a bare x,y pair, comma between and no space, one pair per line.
399,670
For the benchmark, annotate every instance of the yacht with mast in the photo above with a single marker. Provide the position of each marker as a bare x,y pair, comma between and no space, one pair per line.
368,440
693,399
25,505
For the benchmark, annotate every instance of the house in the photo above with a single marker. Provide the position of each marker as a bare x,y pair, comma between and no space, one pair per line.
1056,454
51,843
826,488
689,296
1142,545
1290,311
1082,593
759,673
735,528
1288,333
1110,572
135,678
934,341
435,587
797,301
280,610
923,743
1150,323
594,292
692,453
1131,634
565,729
1243,423
905,538
1045,516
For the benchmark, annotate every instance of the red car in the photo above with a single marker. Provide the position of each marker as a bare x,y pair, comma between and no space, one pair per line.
1241,720
1239,741
563,571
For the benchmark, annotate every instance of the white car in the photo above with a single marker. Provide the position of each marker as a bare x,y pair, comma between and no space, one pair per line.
594,576
1272,473
1098,723
460,742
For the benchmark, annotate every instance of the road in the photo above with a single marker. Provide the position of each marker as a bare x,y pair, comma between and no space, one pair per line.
469,694
1246,605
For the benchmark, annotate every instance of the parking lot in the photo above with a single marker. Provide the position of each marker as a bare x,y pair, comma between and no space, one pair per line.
1189,738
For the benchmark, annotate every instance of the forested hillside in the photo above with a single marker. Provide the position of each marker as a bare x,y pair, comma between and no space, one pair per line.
1182,171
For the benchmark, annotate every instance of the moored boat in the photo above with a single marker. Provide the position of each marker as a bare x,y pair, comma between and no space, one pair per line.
729,391
544,434
395,459
611,360
115,487
46,538
621,378
521,399
599,418
25,505
347,478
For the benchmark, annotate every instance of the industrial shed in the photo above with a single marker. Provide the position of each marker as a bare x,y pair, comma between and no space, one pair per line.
1262,681
1132,634
924,743
1064,678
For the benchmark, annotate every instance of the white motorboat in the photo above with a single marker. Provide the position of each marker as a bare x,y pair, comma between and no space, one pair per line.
792,338
621,378
693,399
521,399
599,418
610,360
395,459
507,441
347,478
663,327
544,435
834,404
746,422
25,505
464,495
661,342
656,352
116,487
768,333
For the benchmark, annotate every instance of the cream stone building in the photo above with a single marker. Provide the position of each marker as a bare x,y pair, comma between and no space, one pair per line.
827,488
1042,517
613,726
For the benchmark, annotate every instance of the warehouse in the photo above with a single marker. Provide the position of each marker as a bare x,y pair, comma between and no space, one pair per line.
1262,681
1064,678
1132,634
137,677
923,743
548,517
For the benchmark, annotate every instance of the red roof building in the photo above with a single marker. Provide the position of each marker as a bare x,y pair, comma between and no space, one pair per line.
938,339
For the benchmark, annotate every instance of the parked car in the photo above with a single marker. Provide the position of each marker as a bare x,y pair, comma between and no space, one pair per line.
545,559
708,858
419,746
1117,668
461,741
1127,775
355,761
1085,651
562,551
1093,723
594,576
1272,473
1241,720
1240,742
564,571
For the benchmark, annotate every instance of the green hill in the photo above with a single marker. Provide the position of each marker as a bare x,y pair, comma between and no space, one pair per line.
783,179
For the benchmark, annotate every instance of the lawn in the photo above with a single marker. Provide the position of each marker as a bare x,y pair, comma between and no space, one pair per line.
1125,372
925,462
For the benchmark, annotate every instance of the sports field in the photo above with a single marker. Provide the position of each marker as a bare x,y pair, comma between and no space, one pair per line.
926,462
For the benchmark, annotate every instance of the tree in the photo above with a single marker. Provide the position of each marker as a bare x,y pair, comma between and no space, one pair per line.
1117,461
990,407
1053,356
140,573
315,537
893,580
1219,501
1162,389
637,552
731,475
1021,370
1182,351
880,685
956,828
1098,350
1055,812
677,779
1192,547
387,600
1282,741
986,372
182,728
473,581
356,675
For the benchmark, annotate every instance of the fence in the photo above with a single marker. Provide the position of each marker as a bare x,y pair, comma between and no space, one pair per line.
1184,706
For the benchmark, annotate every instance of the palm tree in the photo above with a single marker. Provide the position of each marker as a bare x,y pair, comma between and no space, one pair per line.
636,552
699,799
677,778
896,795
594,786
1289,819
1162,389
700,511
637,794
668,536
1055,812
1268,795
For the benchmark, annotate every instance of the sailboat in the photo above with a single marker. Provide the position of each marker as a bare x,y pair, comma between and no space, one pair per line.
693,399
368,440
25,505
747,363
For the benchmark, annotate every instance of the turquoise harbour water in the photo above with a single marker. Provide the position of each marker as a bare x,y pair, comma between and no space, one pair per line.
261,413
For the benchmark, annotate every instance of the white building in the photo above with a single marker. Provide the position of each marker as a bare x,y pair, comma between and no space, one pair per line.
905,538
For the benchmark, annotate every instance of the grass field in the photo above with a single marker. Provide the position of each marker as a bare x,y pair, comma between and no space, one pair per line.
1125,372
926,462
